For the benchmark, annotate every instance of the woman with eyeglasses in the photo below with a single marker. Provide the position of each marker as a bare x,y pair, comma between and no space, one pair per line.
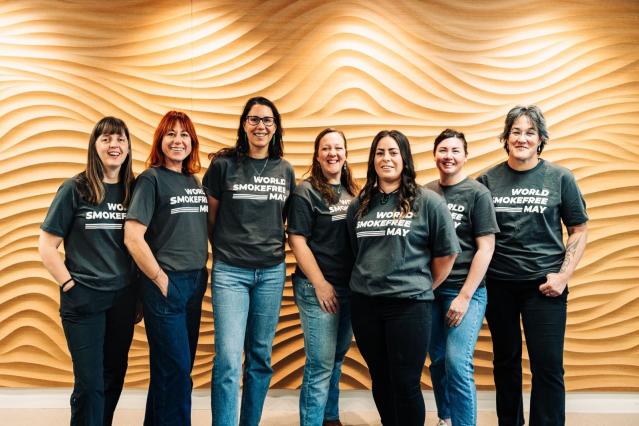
319,239
248,188
405,245
165,232
530,269
97,296
460,302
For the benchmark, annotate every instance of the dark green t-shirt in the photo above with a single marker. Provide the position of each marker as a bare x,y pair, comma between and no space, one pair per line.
530,207
174,208
324,227
253,200
473,214
95,254
393,253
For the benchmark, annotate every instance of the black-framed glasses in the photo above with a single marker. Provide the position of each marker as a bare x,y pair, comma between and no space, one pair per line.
254,120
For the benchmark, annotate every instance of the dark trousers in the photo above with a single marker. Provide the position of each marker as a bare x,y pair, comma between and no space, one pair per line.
172,326
392,335
98,326
544,321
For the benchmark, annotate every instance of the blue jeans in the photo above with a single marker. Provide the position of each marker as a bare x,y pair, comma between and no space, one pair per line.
246,309
451,354
172,326
327,338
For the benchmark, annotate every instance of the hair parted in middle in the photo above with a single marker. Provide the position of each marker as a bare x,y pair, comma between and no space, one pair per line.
407,191
319,181
241,148
89,182
537,120
191,164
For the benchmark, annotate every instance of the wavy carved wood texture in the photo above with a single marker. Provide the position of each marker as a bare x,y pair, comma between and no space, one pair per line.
358,65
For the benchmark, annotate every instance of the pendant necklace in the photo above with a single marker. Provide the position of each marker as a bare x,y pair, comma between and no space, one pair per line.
259,174
386,196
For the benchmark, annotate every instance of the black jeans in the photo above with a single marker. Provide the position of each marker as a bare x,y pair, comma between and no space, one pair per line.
544,321
392,335
98,326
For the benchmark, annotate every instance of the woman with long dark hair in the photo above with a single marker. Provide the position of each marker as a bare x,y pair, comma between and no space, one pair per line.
319,239
248,188
166,235
97,296
405,246
460,301
527,280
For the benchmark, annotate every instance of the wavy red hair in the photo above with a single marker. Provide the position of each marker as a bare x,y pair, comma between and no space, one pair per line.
191,164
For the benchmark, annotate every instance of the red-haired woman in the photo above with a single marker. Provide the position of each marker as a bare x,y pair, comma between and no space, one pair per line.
165,233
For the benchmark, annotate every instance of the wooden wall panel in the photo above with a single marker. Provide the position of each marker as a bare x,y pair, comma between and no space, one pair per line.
358,65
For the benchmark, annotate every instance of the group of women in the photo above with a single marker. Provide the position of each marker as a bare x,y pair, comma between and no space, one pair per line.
399,266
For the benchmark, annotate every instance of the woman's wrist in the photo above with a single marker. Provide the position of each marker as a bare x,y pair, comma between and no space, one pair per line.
66,282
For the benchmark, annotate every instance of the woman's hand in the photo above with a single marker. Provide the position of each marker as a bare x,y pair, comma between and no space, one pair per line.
457,310
162,281
327,297
554,286
68,286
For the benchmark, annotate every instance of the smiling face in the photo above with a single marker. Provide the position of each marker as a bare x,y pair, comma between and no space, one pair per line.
112,150
259,135
176,146
523,142
331,155
388,164
450,158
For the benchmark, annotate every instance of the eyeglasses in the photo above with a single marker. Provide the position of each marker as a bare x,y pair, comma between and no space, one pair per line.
254,120
530,134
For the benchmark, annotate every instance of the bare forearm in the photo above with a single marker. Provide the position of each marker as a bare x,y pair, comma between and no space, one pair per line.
575,247
143,256
306,260
53,263
440,267
479,264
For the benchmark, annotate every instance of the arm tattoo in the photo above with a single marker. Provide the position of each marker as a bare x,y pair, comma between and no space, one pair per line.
571,249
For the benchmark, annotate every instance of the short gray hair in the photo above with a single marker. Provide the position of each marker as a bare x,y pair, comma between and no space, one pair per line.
535,116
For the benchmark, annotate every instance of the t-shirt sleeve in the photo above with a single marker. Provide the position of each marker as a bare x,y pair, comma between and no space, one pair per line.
573,205
351,221
142,204
213,181
482,179
60,216
291,189
484,220
301,220
443,241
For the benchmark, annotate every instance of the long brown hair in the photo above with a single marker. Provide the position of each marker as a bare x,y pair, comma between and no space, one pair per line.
191,164
319,181
89,182
407,185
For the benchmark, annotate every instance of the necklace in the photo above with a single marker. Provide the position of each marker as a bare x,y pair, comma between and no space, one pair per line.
386,196
337,188
259,174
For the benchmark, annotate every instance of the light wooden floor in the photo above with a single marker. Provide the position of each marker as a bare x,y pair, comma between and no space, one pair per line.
23,408
131,417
